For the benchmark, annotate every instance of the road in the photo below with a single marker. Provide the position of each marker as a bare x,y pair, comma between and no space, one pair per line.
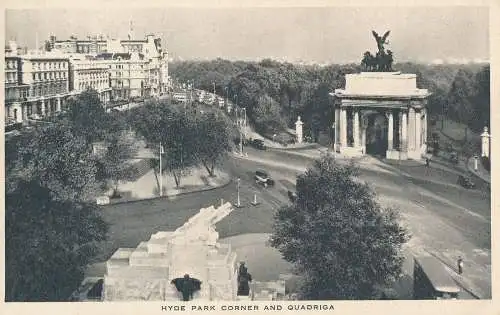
444,220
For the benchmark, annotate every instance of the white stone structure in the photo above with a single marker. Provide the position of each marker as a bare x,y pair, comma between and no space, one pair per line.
485,143
298,130
392,96
146,272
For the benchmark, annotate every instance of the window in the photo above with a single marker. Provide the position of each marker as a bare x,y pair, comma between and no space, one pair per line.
33,77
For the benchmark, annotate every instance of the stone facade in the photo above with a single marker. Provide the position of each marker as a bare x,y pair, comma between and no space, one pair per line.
392,96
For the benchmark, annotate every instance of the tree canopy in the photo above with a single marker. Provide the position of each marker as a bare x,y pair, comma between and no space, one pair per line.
337,236
188,136
52,222
48,243
303,90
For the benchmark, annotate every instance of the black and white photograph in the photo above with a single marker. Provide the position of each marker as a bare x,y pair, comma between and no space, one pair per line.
263,157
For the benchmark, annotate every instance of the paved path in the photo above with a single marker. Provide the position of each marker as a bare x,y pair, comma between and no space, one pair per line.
147,186
480,172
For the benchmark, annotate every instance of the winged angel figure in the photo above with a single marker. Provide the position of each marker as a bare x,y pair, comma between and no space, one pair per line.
381,41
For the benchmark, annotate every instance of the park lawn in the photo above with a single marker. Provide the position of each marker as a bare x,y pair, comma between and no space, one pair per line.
454,131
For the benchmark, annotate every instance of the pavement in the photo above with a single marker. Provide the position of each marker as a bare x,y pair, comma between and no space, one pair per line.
147,186
480,172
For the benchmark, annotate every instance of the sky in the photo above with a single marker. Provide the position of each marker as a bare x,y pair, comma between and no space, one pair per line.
314,34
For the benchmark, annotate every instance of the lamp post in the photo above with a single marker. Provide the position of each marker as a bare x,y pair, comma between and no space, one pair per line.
161,171
238,204
226,89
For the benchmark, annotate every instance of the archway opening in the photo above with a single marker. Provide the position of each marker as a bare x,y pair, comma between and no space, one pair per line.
376,135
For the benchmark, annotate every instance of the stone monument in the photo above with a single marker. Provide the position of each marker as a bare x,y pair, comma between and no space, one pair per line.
381,112
298,130
485,143
146,272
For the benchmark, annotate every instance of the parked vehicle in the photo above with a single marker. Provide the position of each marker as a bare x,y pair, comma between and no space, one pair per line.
465,181
263,178
258,144
431,281
454,157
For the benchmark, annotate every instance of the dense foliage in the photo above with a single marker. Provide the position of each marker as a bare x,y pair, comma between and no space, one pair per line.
53,176
460,92
48,243
343,243
189,136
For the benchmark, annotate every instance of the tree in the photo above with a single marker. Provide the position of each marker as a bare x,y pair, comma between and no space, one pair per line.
57,159
213,140
120,149
337,236
48,243
266,115
173,127
460,99
87,116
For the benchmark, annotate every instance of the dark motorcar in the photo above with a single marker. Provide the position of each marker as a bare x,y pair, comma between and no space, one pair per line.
465,181
263,178
292,196
258,144
454,157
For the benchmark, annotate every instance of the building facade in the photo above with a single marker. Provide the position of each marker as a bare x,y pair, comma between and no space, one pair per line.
37,85
148,73
129,75
90,74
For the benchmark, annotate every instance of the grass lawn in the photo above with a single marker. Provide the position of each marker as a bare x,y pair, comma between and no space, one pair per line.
135,222
454,131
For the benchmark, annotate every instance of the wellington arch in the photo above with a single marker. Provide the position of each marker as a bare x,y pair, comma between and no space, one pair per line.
381,113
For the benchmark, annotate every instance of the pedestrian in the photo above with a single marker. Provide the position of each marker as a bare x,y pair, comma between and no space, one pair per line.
460,264
427,161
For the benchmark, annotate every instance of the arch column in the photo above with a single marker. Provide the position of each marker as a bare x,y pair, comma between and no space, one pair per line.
411,129
390,130
336,129
404,130
343,128
356,128
58,104
418,131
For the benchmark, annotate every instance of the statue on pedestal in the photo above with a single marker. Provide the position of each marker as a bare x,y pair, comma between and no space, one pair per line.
382,61
244,278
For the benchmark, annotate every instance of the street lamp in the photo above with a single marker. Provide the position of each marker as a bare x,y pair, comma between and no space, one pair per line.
226,89
238,188
161,171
